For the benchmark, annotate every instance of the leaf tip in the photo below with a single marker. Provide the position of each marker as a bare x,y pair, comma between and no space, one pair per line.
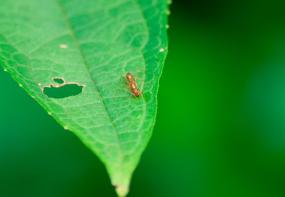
121,183
122,190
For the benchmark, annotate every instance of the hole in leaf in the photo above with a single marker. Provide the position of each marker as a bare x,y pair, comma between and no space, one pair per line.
62,91
58,80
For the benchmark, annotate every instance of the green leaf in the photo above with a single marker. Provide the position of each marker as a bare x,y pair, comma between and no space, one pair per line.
72,57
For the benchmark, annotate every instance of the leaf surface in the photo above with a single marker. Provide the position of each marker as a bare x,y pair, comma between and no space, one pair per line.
72,57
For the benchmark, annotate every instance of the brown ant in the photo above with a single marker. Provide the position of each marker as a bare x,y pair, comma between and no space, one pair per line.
133,85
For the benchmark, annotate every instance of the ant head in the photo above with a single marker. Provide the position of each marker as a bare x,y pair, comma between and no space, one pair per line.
129,77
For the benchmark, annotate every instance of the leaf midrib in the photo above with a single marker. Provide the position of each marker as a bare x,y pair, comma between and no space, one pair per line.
72,33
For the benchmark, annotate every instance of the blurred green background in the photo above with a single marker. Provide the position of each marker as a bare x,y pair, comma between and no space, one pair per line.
221,122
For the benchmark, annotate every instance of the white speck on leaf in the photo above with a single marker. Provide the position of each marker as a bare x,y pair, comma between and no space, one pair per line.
63,46
161,50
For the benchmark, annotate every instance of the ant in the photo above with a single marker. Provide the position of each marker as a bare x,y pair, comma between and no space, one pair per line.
133,85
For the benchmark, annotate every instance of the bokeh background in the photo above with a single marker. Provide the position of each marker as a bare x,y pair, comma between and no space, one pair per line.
221,122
